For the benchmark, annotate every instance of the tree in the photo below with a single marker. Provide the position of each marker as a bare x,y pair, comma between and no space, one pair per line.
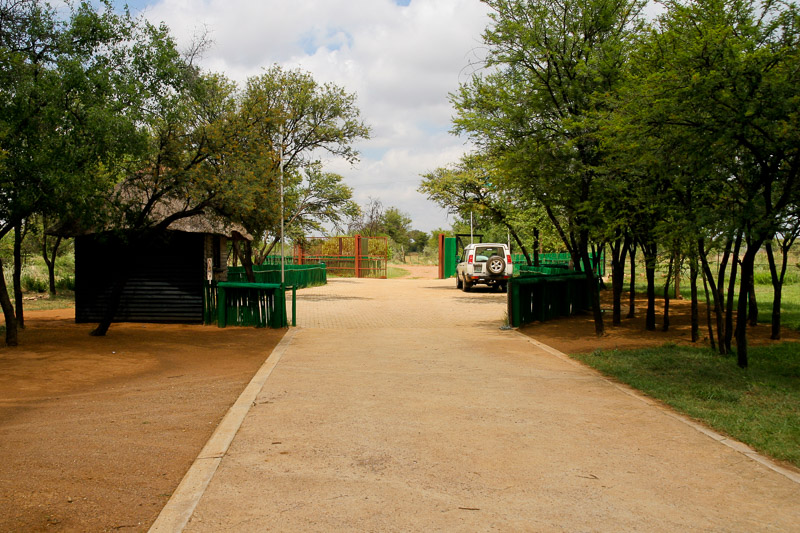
286,119
67,83
536,112
474,184
319,198
396,225
419,240
728,74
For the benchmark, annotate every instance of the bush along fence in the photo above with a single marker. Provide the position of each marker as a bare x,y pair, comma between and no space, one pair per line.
543,297
298,276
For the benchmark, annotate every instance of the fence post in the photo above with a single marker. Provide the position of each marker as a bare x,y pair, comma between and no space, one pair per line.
358,256
222,307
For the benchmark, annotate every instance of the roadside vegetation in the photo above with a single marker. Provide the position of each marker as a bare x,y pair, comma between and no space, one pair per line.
759,406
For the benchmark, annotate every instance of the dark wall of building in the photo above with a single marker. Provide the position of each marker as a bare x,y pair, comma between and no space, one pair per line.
165,281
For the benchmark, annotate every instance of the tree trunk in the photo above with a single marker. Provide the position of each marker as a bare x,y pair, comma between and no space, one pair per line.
536,247
8,310
50,261
594,291
693,288
619,249
731,294
777,290
741,315
708,311
752,312
670,274
708,277
520,244
650,258
19,235
247,261
121,276
632,285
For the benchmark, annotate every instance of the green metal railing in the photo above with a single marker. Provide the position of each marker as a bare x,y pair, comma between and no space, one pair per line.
558,261
298,276
258,305
543,297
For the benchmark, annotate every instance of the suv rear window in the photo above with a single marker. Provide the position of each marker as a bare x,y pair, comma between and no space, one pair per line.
483,253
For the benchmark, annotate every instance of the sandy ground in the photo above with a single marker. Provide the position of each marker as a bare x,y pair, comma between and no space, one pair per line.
96,433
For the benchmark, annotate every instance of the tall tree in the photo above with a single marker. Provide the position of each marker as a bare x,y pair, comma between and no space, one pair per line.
551,63
286,120
727,72
475,185
66,84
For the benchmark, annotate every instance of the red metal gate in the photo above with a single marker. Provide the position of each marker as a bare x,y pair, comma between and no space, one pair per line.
352,256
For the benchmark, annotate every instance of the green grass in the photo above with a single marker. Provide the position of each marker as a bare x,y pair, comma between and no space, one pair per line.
790,300
759,406
393,272
63,300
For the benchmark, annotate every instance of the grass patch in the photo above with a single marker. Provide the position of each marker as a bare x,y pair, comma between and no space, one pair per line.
393,272
790,301
759,406
65,299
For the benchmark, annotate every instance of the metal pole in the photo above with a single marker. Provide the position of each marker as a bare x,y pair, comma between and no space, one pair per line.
280,173
471,237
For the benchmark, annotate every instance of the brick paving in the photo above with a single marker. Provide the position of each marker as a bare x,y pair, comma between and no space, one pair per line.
400,405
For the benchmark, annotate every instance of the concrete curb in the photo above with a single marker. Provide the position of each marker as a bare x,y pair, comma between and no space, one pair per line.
722,439
178,510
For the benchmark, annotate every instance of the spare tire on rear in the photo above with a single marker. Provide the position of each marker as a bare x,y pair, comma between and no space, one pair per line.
496,265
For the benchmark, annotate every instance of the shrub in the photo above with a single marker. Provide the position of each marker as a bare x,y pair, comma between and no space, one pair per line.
765,278
32,284
66,283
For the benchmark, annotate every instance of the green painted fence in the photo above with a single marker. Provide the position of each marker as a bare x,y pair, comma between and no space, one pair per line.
258,305
540,297
557,261
298,276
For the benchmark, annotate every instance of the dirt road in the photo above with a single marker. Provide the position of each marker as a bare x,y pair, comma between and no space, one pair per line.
402,406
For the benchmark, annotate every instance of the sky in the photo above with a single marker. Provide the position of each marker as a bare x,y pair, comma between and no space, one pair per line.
400,57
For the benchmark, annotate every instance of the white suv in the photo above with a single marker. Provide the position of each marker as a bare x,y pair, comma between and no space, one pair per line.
488,263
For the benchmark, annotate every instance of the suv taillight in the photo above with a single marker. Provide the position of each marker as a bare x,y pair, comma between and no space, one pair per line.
470,259
508,259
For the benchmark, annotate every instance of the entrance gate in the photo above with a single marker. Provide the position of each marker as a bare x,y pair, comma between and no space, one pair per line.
351,256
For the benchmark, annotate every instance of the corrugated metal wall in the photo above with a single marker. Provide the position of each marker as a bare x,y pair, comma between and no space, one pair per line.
165,283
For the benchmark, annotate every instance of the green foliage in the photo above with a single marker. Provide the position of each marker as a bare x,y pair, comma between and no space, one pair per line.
760,406
282,120
32,284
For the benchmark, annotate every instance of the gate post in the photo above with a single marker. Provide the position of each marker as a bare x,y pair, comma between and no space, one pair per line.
358,256
441,256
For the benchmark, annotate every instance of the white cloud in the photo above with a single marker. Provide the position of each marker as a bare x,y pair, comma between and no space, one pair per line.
401,61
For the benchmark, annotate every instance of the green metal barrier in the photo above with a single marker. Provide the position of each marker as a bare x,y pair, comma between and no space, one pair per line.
299,276
247,304
450,257
544,297
559,261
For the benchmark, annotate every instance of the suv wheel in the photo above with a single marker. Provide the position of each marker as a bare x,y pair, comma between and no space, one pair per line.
496,265
459,283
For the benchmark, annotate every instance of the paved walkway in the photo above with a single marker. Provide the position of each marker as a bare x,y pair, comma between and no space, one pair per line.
401,405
